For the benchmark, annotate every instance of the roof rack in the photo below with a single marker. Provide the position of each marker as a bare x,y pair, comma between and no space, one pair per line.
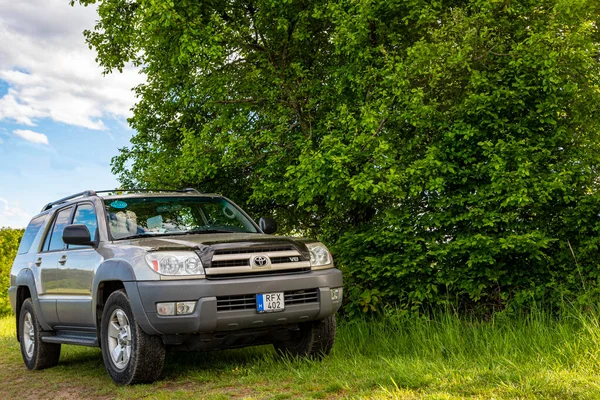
89,193
86,193
186,190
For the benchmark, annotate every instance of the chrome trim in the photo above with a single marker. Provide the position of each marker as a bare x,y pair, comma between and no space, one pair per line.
249,269
247,256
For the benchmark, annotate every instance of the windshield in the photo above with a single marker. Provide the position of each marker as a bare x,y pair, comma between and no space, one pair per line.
149,216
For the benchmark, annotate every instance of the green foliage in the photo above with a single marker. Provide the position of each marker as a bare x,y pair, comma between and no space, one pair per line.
446,151
9,243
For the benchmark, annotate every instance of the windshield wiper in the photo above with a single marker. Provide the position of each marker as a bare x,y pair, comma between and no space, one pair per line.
144,235
196,231
192,232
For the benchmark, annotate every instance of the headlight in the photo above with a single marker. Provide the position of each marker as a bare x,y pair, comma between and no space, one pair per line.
319,255
178,263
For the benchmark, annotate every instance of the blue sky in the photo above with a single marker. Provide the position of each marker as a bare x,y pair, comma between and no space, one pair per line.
61,120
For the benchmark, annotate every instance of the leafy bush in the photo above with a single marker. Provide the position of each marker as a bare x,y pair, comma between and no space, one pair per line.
9,243
446,151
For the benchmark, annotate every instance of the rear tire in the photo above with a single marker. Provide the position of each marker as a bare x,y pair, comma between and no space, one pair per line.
313,339
130,355
36,354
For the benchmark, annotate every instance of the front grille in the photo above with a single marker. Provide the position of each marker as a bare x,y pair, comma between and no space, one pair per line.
248,301
240,262
282,260
229,263
259,273
254,250
302,297
241,302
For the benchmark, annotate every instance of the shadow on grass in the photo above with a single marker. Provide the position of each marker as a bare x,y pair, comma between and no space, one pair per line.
218,361
74,356
79,359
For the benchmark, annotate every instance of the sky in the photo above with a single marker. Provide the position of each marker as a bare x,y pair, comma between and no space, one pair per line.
61,120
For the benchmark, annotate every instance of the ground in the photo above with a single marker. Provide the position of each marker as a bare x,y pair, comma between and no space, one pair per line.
443,358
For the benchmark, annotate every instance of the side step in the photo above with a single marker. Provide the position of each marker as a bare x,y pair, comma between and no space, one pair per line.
71,337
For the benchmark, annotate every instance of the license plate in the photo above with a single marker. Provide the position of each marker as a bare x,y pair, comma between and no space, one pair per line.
270,302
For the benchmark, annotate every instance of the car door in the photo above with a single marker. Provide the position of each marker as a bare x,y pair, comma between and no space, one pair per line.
47,261
76,272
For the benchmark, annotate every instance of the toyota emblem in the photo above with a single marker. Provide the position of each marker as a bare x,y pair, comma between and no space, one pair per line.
260,261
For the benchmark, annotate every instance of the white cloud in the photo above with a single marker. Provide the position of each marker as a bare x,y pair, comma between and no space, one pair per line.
50,70
21,113
31,136
12,214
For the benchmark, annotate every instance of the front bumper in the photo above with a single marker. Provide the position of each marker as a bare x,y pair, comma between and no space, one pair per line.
206,318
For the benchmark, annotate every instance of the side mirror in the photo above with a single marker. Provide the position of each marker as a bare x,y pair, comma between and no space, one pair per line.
268,225
77,235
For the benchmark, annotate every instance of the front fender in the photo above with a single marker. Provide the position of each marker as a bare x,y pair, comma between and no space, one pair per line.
121,271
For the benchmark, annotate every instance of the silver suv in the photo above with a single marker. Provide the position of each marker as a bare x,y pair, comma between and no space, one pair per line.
141,272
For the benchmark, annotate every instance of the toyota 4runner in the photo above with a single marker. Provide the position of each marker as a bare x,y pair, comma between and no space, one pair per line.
141,272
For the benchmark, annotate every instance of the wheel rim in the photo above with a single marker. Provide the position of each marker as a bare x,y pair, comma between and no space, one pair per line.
28,335
119,339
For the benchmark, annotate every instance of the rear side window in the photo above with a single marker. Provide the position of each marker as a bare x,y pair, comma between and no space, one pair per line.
54,240
31,232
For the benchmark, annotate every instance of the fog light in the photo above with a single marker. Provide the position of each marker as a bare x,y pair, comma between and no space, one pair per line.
165,308
185,307
336,294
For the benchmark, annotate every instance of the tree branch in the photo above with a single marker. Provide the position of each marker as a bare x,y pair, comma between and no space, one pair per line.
240,101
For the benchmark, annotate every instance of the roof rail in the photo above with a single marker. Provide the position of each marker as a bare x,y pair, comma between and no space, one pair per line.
186,190
86,193
189,190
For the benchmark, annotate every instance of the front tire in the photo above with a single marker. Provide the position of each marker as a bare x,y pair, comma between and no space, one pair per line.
313,339
36,353
130,355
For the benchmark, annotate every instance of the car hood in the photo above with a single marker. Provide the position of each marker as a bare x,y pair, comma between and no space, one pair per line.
198,241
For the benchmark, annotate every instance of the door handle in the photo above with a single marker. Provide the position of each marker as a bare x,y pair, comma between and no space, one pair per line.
38,262
62,260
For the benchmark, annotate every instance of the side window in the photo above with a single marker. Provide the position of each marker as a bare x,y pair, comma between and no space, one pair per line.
86,215
62,219
30,233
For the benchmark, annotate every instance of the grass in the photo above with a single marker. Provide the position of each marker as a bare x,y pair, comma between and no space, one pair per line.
532,356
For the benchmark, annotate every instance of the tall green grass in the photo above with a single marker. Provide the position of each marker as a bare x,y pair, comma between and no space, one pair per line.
527,355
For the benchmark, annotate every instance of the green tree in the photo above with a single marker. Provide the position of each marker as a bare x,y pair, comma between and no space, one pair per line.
445,150
9,243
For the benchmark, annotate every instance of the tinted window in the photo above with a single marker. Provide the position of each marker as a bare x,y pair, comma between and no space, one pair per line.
31,232
62,220
86,215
